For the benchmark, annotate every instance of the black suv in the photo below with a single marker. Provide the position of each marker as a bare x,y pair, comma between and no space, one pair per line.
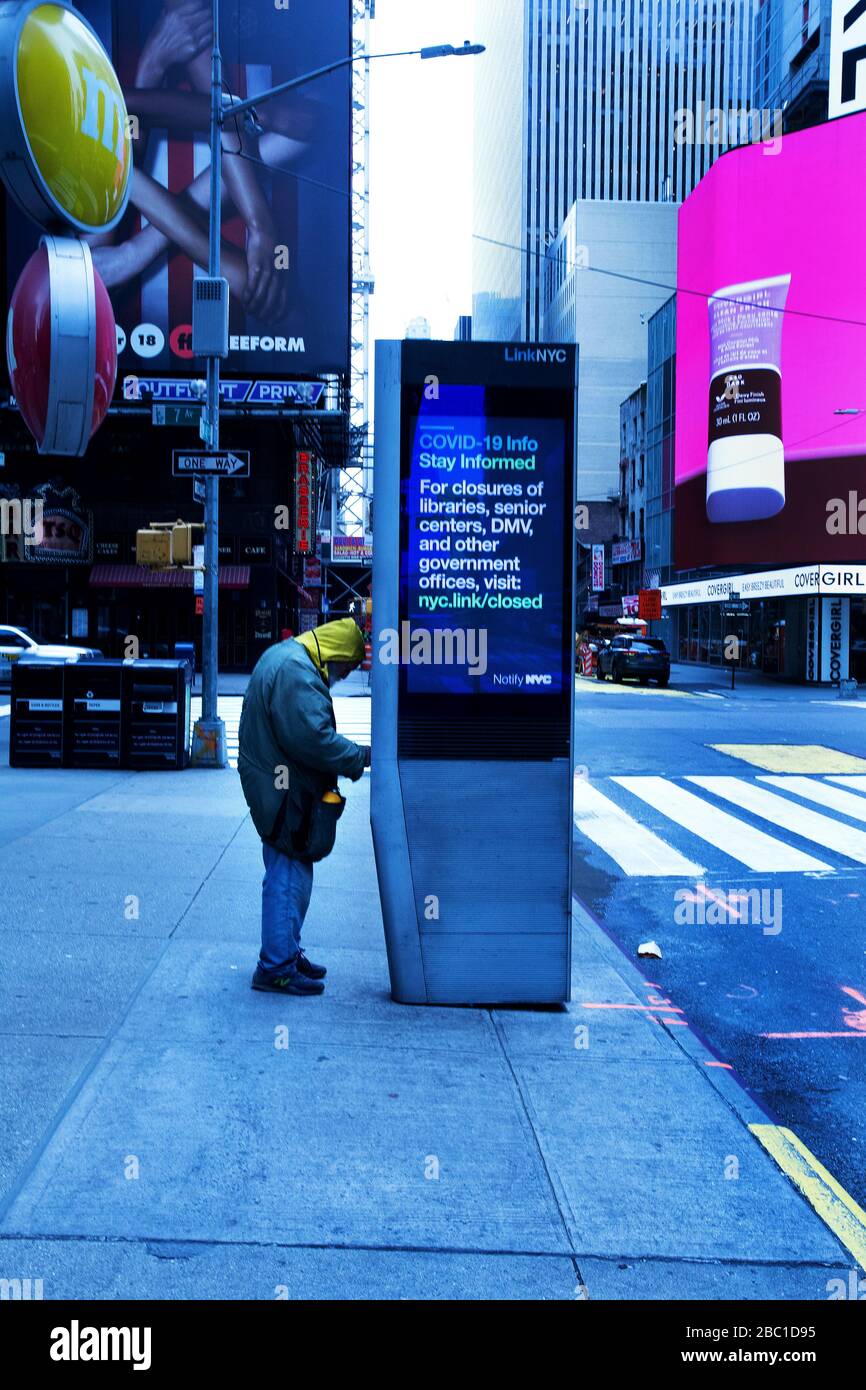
643,658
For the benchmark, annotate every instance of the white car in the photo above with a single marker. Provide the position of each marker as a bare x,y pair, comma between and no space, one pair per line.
17,642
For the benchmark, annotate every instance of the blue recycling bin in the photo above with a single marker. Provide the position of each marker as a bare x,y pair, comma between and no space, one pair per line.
93,712
36,736
156,698
185,651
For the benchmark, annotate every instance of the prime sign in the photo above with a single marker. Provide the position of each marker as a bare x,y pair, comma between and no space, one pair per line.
66,156
847,57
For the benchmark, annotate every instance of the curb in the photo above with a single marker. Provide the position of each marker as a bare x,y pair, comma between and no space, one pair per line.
826,1198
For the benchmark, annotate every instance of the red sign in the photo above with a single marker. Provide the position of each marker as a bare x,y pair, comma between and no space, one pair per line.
649,605
597,568
305,503
623,552
199,605
61,346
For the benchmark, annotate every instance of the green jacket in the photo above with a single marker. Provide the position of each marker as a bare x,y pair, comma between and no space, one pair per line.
288,731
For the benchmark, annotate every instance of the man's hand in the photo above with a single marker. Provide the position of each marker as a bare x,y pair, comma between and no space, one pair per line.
178,36
264,290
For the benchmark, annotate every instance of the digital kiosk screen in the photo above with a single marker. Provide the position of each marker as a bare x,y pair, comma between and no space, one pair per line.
484,561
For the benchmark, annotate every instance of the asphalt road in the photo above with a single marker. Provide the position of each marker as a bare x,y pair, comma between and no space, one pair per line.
776,983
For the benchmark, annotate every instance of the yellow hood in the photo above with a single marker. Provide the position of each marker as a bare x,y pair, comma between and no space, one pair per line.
341,640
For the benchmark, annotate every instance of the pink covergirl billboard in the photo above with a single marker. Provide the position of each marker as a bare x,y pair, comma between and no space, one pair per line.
771,354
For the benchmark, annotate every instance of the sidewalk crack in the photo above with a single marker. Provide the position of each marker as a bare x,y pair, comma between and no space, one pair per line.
555,1189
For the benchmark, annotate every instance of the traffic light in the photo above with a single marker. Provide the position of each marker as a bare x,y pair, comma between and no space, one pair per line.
181,543
153,549
165,544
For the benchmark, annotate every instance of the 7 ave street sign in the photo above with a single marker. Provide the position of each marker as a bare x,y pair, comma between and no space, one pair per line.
176,414
224,465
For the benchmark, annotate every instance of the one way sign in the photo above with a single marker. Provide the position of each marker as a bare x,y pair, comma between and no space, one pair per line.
847,57
226,465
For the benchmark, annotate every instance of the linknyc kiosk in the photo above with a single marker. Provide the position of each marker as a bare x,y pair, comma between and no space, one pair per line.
473,668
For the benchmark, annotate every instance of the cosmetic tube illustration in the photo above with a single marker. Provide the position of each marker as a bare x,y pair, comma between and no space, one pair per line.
746,457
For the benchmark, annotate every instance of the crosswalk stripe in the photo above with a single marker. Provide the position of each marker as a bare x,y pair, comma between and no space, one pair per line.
733,837
857,782
352,722
353,718
635,849
846,803
799,820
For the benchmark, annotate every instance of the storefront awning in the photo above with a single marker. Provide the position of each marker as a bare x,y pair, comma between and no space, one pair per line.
826,580
138,577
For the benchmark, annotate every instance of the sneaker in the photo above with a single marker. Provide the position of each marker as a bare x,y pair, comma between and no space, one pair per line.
309,968
290,981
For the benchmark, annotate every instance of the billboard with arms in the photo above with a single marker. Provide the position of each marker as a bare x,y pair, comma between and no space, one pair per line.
286,195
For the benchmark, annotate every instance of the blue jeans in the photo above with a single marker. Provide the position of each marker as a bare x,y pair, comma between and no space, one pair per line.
286,889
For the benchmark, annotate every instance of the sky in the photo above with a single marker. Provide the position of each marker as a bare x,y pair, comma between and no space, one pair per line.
420,169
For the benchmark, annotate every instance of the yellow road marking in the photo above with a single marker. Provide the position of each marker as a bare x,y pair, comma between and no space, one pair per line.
829,1199
632,688
793,757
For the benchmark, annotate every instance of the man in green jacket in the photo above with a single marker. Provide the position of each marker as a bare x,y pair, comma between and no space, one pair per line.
290,756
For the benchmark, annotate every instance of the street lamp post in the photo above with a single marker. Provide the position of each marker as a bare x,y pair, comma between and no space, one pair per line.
209,744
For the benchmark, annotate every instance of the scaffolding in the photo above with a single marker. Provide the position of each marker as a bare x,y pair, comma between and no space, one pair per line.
347,508
350,509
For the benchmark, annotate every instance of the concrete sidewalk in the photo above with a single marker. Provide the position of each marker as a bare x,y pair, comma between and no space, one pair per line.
748,685
171,1134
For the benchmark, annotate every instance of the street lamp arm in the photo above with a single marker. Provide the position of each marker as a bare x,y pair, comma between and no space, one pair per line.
237,108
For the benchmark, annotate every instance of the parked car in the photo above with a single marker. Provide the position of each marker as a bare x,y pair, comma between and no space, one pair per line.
16,643
642,658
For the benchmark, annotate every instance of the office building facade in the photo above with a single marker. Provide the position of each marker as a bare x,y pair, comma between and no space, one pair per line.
627,552
792,60
592,101
607,314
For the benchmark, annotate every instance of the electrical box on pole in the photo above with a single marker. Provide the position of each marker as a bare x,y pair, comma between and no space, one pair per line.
210,316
